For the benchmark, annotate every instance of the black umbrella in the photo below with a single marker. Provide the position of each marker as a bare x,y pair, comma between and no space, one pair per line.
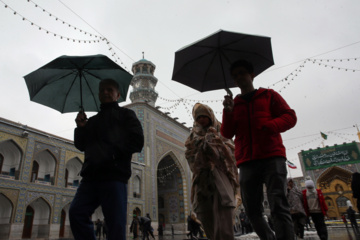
71,83
205,64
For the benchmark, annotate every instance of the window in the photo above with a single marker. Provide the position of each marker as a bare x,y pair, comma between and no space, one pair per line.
76,183
12,172
341,201
137,187
1,162
34,171
66,177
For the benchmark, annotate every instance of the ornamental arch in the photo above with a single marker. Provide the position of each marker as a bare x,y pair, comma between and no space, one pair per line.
6,210
335,183
44,168
10,159
65,230
171,188
37,219
72,172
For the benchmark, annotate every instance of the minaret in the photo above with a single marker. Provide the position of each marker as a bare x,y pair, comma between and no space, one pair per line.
144,82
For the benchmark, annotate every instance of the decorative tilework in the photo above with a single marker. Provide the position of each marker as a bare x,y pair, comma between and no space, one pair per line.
72,154
34,195
20,141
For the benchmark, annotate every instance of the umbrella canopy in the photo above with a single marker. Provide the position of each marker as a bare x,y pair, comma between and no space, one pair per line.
205,64
71,83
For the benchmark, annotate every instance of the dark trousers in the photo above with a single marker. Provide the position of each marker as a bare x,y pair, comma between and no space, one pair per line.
272,172
320,226
298,221
243,227
111,196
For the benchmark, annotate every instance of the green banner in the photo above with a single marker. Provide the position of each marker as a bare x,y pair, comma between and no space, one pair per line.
346,153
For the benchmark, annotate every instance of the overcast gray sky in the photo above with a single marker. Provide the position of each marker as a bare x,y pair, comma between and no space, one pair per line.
324,98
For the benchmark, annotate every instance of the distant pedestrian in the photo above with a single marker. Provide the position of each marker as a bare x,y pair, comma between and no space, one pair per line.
344,220
195,226
172,230
151,232
296,204
315,206
355,187
145,225
98,225
105,230
134,227
307,223
242,221
351,215
160,230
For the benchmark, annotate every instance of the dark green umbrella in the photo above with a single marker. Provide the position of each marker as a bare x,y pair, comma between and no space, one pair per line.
71,83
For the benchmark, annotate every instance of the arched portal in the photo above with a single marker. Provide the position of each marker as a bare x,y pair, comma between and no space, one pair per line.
6,209
65,222
28,222
72,172
10,159
335,183
46,168
170,192
37,219
62,223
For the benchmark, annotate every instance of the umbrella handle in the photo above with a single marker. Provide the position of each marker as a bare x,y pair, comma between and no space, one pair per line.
229,92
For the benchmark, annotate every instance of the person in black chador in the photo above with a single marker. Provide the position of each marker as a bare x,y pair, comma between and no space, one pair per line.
98,228
145,225
151,232
194,226
134,226
105,230
355,186
242,221
351,215
161,230
108,139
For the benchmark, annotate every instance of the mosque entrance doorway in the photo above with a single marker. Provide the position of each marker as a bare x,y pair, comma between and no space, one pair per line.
335,184
28,223
170,193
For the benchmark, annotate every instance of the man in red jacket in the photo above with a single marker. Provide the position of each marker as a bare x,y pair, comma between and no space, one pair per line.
256,118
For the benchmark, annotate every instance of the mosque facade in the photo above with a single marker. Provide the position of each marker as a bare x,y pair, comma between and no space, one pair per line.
331,169
39,172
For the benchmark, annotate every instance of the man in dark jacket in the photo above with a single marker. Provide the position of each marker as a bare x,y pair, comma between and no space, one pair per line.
108,139
256,118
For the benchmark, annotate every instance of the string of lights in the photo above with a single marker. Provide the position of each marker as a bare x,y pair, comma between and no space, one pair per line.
161,176
63,21
335,67
115,55
304,144
60,36
97,39
339,136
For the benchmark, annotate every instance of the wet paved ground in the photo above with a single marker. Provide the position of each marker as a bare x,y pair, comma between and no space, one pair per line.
334,234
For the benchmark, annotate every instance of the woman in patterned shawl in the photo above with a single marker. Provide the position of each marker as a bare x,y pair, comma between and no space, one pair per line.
215,176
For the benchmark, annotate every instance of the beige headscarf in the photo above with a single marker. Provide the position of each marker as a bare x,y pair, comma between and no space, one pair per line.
207,149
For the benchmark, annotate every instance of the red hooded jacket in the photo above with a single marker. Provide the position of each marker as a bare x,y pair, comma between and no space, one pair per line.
322,202
257,125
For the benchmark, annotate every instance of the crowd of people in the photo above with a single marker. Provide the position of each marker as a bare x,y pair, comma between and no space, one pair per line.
226,173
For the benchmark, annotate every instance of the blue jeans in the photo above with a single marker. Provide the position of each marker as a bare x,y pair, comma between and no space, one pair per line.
112,197
271,172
